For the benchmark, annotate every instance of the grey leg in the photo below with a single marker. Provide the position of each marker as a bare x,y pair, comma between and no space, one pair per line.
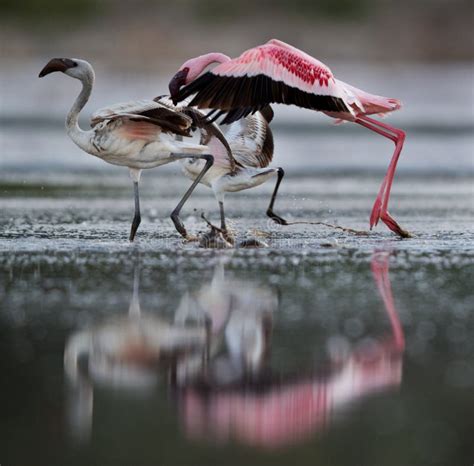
227,235
221,209
137,218
175,214
276,218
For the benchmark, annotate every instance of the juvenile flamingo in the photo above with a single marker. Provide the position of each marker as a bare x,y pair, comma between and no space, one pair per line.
138,134
242,164
277,72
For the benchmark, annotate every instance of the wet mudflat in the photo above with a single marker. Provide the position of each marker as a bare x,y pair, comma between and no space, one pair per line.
324,348
292,352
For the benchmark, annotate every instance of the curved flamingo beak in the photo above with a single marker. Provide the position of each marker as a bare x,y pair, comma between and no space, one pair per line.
57,64
177,81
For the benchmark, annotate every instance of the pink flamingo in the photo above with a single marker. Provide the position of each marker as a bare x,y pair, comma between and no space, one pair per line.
277,72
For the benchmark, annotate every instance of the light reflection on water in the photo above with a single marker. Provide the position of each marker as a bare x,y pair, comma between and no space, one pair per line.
236,357
288,364
214,354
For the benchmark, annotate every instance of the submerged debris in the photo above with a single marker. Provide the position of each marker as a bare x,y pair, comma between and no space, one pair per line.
330,243
336,227
252,243
216,238
260,233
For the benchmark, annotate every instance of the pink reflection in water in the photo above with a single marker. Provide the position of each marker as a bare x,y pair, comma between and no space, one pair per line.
214,355
282,412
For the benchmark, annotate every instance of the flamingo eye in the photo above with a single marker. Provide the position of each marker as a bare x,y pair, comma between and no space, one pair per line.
184,74
69,63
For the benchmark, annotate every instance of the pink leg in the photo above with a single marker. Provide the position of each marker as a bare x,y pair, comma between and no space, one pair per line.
379,210
379,265
376,210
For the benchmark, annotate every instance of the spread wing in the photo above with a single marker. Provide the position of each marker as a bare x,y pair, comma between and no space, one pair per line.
271,73
168,119
212,136
251,140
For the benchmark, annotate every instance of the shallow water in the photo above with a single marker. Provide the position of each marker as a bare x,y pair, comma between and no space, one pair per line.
237,356
323,348
287,353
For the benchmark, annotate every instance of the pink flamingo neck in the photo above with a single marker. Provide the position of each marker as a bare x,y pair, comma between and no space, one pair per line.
214,57
199,64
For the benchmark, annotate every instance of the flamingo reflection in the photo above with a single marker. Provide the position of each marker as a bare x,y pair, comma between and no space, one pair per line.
124,352
274,410
214,356
138,350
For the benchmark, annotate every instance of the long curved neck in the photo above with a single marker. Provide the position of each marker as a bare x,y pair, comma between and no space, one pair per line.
216,57
202,62
79,136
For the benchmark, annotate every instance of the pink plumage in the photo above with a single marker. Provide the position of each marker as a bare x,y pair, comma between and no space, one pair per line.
281,62
138,130
276,72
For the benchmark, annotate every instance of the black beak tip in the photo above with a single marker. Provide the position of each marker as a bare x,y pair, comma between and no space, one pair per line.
173,95
45,71
173,91
175,85
57,64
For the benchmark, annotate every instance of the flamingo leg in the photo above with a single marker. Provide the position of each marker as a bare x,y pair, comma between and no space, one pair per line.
136,218
380,270
380,208
375,215
175,214
221,210
227,235
276,218
210,113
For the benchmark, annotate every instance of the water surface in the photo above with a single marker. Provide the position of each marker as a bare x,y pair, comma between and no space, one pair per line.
324,348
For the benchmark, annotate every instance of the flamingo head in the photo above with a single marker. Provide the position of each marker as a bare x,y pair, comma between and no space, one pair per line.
179,80
191,69
71,66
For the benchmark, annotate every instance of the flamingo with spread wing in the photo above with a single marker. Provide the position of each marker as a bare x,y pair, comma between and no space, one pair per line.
277,72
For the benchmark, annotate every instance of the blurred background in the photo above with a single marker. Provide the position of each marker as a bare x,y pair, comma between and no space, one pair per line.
418,51
157,35
329,389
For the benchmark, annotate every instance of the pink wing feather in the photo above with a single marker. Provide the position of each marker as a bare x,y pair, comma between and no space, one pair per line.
369,104
283,62
271,73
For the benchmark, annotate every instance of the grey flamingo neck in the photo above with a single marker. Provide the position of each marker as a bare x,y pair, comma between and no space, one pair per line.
79,136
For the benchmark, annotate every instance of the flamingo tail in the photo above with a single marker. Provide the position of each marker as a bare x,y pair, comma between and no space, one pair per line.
370,104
